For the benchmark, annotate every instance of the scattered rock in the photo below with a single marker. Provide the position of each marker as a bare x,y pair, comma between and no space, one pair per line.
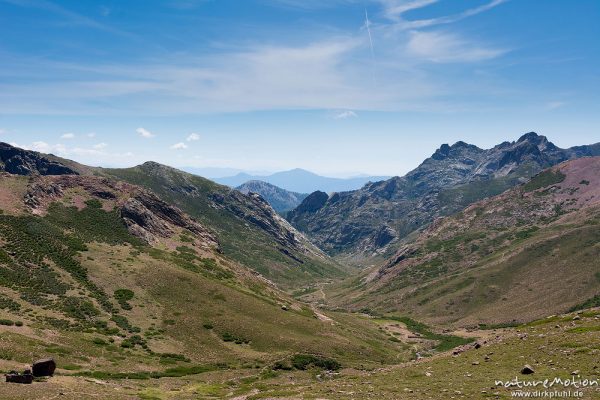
576,372
14,377
527,370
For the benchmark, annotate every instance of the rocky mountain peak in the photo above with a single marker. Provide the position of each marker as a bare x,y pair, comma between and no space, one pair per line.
452,178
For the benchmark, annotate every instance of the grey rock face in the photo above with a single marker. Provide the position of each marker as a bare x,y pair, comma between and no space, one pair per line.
365,222
23,162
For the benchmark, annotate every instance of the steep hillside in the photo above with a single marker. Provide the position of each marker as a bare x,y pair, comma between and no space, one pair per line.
302,181
527,253
249,230
280,199
114,282
373,220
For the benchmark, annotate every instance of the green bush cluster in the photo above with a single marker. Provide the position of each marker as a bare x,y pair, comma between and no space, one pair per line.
306,361
229,337
543,179
9,304
123,296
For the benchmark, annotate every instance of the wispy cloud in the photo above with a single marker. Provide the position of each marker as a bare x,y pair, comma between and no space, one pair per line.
345,114
98,152
68,136
193,137
179,146
443,47
395,10
146,134
72,17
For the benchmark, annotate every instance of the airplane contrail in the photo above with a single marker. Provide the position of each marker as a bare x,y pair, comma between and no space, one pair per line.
368,23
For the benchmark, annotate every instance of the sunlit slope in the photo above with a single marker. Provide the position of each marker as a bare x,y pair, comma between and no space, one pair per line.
107,278
528,253
249,230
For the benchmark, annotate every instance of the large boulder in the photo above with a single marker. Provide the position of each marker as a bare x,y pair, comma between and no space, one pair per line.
44,367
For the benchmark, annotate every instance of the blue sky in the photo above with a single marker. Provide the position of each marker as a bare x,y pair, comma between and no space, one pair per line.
267,85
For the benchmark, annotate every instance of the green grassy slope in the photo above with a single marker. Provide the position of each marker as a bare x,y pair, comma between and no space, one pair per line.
75,285
232,217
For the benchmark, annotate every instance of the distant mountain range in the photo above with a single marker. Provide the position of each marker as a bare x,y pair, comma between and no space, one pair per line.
373,219
280,199
302,181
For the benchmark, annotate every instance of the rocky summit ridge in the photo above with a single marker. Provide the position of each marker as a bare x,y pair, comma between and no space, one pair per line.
371,221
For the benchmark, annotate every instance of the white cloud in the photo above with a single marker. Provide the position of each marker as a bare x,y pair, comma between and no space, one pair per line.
345,114
100,146
68,136
193,137
43,147
179,146
394,10
145,133
91,135
2,131
443,47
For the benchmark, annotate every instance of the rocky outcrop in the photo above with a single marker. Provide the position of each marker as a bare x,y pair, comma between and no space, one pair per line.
24,162
368,221
257,211
150,218
145,214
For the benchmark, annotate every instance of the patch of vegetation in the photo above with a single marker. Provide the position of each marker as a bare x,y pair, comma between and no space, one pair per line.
445,342
175,372
170,358
133,341
79,309
9,304
229,337
92,224
584,182
593,302
123,323
303,362
123,296
585,329
543,179
526,233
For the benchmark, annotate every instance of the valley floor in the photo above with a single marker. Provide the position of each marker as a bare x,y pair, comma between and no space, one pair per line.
565,347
